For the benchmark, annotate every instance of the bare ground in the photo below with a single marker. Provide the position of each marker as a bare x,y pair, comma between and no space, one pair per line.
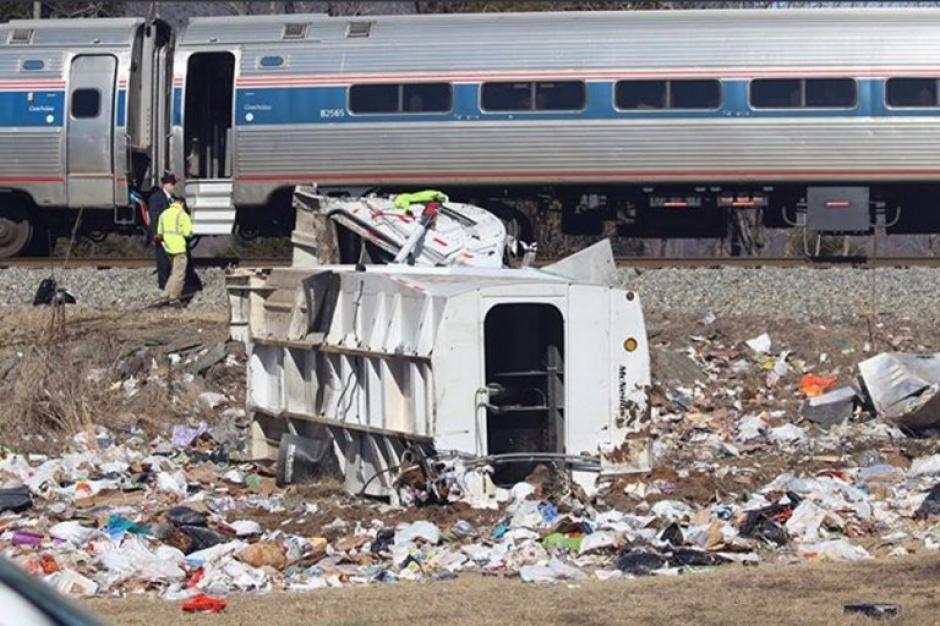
802,594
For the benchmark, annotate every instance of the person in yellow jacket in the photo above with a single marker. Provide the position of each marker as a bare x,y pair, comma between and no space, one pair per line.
174,229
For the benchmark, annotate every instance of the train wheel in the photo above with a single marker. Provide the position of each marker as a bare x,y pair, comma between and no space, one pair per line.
16,231
518,225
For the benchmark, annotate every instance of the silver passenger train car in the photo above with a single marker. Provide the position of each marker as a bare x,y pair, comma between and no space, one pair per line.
664,122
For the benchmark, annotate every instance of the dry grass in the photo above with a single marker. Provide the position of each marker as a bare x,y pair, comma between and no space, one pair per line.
803,594
50,389
51,392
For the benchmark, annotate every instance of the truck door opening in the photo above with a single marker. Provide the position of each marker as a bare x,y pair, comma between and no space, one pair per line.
208,115
524,346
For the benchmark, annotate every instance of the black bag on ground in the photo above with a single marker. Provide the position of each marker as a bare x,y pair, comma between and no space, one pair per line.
46,292
17,499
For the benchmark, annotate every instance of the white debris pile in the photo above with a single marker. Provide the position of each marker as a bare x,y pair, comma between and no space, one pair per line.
164,517
741,477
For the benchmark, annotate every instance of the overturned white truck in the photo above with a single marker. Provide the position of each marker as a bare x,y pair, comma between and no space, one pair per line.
451,353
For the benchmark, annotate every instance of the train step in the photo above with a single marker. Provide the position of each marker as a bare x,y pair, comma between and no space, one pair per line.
210,201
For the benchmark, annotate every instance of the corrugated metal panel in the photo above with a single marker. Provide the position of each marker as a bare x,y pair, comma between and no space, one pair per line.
629,39
11,61
559,151
31,153
78,32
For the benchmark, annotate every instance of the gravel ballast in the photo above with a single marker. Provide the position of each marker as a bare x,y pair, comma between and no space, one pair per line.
786,293
105,289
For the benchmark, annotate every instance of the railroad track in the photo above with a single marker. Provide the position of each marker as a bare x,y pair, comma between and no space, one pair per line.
638,262
716,262
106,263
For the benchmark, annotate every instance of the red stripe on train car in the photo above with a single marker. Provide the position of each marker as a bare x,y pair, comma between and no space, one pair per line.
21,86
31,179
310,177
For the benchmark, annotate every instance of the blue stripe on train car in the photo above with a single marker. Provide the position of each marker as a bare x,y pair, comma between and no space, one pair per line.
31,108
327,105
177,106
121,114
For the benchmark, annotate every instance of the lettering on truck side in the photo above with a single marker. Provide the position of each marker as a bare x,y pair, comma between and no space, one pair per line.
332,113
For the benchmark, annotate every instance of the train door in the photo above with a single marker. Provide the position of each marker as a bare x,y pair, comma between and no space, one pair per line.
208,119
90,130
207,141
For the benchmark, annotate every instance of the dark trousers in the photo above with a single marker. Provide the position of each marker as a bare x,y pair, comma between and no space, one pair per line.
163,265
193,284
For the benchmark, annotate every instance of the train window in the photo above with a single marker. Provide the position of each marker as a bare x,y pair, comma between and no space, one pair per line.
776,93
426,97
796,93
911,92
566,95
272,61
694,94
506,96
374,98
837,93
33,64
86,103
398,98
640,94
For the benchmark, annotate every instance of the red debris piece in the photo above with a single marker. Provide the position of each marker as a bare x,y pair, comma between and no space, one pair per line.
204,604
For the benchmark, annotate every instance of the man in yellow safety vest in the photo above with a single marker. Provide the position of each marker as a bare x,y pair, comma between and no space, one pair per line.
174,229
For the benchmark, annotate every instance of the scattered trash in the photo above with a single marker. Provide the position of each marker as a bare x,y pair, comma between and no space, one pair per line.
814,385
16,499
925,466
639,563
185,516
745,475
759,344
263,555
831,408
204,604
931,504
903,388
689,557
873,609
549,572
835,550
301,459
788,433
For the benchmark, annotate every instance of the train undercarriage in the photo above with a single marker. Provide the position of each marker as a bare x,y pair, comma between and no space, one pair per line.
736,218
